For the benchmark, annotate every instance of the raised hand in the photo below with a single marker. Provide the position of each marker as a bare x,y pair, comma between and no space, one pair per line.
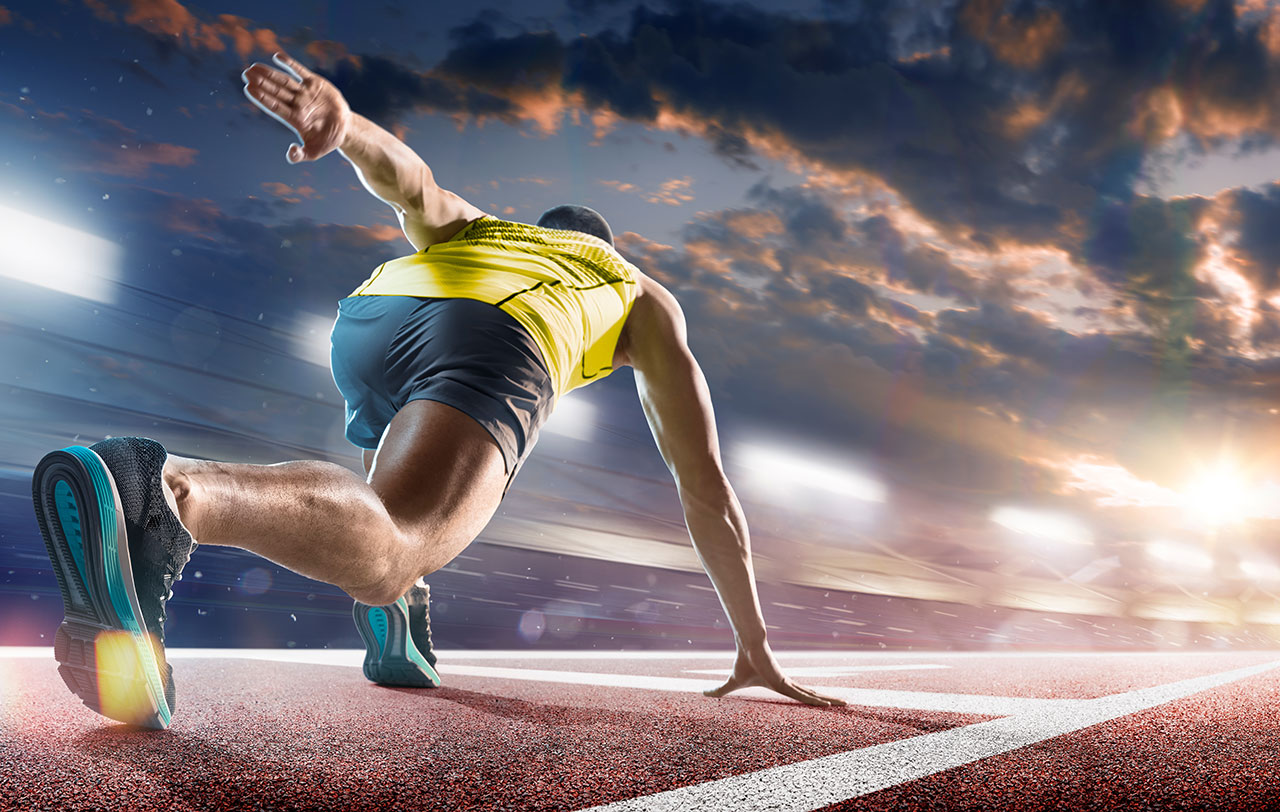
301,100
756,666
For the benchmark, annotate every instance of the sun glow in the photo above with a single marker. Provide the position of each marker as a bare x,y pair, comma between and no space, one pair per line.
1223,495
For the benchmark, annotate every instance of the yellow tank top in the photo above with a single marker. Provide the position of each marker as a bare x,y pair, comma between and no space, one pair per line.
570,290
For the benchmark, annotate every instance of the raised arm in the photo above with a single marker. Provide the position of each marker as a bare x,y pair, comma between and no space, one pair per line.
316,111
677,403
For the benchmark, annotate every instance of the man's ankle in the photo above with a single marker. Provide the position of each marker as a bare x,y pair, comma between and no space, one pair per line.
180,492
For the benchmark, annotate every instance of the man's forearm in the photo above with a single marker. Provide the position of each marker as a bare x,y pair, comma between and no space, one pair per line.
386,166
720,537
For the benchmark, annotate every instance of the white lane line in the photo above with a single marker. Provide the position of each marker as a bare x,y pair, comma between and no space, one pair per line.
829,671
820,782
976,704
910,700
979,704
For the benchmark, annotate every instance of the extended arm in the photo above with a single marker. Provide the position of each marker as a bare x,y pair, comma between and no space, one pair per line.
317,113
677,403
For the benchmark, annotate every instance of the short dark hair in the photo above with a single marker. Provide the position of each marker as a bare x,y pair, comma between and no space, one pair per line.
572,217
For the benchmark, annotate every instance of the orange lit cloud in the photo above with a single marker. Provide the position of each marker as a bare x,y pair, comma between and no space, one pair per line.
6,16
290,194
169,18
672,192
327,52
1028,115
1022,43
1113,485
138,161
380,232
101,10
619,186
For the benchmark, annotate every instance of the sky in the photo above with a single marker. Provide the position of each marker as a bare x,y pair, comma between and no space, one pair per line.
1010,268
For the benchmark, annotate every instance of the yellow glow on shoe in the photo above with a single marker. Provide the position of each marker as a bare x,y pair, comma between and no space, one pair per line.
122,685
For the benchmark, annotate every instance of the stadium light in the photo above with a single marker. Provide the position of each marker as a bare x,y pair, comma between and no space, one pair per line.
1258,569
311,338
785,469
1042,525
573,417
1180,556
58,257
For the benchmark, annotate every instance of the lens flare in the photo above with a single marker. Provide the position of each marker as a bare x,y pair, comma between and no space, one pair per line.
122,684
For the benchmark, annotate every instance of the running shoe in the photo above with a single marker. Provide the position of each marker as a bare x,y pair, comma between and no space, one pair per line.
397,640
116,549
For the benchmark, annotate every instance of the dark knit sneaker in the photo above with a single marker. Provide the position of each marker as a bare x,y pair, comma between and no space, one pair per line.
116,549
397,640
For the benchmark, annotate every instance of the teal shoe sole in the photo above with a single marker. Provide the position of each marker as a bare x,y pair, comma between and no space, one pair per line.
104,652
390,657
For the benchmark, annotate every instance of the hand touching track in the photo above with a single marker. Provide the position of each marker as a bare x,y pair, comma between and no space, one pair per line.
756,666
303,101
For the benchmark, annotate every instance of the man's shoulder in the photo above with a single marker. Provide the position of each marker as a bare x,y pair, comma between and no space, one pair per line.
655,324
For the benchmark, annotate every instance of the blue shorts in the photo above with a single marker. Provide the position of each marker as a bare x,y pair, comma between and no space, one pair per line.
474,356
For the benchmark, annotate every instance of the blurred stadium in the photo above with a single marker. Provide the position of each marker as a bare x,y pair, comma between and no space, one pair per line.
578,557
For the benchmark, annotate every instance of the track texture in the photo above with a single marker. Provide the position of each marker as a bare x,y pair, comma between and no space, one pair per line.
1216,750
255,735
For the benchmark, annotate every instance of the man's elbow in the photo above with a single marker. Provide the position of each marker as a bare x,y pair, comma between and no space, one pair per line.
708,489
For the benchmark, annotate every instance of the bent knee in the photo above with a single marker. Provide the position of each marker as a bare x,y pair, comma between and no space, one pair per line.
385,576
380,593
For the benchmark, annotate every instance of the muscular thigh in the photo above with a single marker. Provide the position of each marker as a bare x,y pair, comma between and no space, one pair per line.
439,473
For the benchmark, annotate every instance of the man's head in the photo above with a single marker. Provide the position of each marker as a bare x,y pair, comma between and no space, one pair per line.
577,218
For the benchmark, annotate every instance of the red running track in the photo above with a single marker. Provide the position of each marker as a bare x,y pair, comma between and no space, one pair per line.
526,731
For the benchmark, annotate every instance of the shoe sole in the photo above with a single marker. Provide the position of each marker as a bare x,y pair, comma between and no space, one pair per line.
104,653
390,656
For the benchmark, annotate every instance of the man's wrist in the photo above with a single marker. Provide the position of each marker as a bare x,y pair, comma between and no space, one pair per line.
751,638
353,137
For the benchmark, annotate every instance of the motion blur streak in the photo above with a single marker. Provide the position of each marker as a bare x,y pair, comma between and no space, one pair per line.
1049,526
57,257
785,469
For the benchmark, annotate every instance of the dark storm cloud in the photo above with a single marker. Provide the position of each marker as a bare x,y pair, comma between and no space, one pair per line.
1149,249
527,59
1258,245
591,7
384,91
997,121
844,293
920,268
805,214
998,381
